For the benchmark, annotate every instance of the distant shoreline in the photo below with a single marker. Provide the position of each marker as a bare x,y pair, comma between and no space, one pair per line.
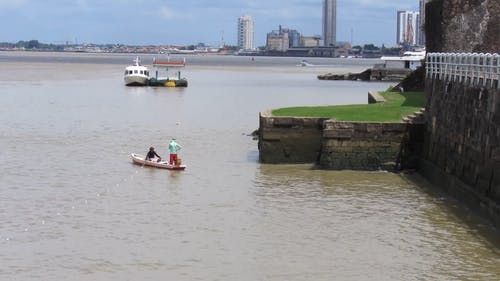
321,65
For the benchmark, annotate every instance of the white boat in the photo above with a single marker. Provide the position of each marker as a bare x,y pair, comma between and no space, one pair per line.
409,60
140,160
136,74
305,63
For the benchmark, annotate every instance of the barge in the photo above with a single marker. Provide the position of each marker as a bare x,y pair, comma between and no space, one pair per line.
167,80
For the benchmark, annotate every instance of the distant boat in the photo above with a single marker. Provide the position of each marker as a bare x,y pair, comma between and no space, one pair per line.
305,63
136,74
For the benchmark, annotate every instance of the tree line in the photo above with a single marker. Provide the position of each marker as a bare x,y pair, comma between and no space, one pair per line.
31,45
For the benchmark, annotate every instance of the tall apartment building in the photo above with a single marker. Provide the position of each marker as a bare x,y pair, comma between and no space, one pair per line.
246,33
408,28
329,22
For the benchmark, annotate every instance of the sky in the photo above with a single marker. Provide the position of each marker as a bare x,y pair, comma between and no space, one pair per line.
186,22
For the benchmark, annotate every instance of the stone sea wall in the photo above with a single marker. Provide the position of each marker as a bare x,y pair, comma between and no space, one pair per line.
462,143
371,74
337,145
362,145
289,139
462,137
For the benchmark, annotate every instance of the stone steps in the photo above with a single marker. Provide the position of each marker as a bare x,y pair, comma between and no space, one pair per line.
418,117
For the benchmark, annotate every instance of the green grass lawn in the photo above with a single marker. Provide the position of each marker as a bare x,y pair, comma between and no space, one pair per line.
397,106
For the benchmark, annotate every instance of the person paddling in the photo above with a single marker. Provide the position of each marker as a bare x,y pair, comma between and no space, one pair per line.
152,154
173,147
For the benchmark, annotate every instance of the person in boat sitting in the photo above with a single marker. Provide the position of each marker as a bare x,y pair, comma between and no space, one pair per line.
174,147
152,154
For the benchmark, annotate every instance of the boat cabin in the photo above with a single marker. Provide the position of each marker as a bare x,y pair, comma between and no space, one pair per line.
409,60
134,70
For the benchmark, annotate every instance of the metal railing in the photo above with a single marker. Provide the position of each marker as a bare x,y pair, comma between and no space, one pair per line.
482,70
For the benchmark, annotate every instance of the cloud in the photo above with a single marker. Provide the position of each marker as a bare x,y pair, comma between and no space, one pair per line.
6,4
172,13
380,4
166,13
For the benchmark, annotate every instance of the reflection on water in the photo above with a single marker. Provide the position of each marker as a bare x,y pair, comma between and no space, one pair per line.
365,222
72,204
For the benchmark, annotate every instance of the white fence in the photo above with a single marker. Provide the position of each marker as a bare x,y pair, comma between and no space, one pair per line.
474,69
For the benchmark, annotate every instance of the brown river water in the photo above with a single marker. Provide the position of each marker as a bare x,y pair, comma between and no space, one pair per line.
73,207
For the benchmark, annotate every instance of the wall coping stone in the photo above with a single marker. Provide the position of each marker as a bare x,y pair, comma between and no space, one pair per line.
375,97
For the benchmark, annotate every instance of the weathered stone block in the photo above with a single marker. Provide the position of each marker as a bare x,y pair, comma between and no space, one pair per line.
494,192
343,125
338,133
394,127
345,149
374,128
316,123
495,153
360,127
375,97
270,135
286,121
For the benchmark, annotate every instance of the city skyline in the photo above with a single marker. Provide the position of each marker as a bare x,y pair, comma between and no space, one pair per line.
191,22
